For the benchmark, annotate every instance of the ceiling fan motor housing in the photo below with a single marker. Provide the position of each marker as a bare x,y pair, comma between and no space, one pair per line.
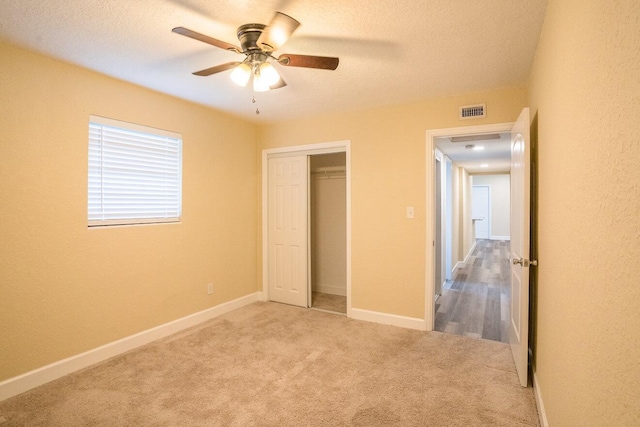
248,35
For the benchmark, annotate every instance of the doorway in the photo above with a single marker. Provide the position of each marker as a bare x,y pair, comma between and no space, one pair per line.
519,246
319,163
327,226
459,230
474,302
481,210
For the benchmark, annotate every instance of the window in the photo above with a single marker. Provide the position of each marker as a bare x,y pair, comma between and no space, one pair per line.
135,174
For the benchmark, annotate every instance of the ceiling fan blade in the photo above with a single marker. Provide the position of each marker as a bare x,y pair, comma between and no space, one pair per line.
277,32
206,39
308,61
217,69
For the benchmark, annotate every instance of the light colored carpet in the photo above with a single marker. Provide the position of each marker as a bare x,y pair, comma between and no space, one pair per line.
269,364
329,302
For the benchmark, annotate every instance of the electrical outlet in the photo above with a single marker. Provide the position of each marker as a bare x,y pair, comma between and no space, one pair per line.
410,212
209,288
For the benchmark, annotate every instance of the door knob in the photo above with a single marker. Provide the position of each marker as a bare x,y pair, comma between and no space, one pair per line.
524,262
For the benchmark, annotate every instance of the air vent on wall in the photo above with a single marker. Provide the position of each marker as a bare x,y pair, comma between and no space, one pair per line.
473,111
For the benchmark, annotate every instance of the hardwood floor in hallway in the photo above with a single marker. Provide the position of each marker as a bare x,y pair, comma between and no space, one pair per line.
476,302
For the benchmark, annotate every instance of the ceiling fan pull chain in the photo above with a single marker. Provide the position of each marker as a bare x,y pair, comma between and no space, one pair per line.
253,100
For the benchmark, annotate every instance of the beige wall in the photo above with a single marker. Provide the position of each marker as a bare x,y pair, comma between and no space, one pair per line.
463,233
66,289
585,89
500,191
388,172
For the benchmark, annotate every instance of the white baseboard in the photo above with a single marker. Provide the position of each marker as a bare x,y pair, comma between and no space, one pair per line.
541,411
21,383
473,248
459,265
500,238
388,319
462,264
331,289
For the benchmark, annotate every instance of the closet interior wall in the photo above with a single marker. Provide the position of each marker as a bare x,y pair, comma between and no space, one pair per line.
328,224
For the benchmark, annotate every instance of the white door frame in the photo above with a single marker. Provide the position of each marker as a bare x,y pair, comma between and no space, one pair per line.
298,150
440,157
429,313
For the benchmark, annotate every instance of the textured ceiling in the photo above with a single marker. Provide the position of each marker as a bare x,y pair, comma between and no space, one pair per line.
391,51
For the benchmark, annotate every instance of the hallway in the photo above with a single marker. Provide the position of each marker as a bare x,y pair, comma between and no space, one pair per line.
476,302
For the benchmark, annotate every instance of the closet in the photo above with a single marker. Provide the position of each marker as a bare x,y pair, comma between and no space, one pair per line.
328,232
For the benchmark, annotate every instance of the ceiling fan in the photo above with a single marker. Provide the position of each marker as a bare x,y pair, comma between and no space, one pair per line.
257,43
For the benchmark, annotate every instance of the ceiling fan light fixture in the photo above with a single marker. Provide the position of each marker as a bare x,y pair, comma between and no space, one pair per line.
260,84
268,73
241,74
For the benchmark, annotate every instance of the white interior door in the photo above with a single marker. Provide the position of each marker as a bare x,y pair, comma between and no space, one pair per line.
520,226
288,230
480,210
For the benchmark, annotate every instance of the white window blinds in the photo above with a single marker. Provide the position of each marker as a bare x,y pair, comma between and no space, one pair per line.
135,174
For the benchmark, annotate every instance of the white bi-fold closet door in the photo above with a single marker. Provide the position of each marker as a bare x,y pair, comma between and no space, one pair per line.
288,186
